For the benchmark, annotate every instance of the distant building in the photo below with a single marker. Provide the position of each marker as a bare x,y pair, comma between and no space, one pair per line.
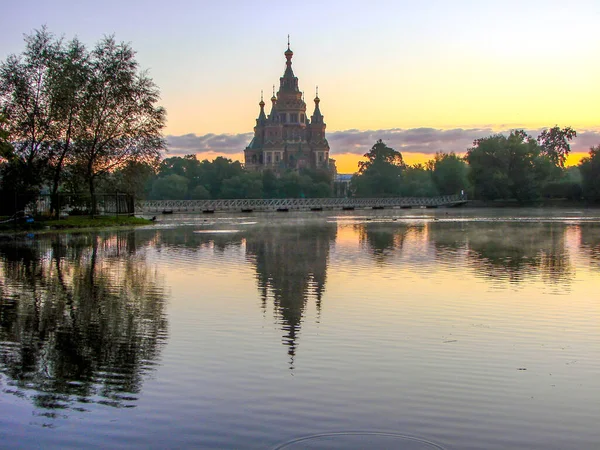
341,184
286,138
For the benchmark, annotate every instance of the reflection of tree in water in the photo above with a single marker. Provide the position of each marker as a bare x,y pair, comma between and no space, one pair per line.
192,240
513,251
291,265
449,239
383,238
590,242
81,320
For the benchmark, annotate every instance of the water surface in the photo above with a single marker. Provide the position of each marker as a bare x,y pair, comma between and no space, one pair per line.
454,329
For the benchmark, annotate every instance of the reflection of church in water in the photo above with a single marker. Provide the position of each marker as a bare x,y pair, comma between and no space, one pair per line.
291,265
287,138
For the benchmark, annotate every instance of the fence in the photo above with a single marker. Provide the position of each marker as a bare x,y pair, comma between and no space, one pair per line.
67,204
296,204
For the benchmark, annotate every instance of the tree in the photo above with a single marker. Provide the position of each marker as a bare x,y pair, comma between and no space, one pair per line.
171,187
489,161
381,174
6,148
417,182
187,166
247,185
590,174
212,174
199,193
67,108
6,155
271,184
449,173
26,102
554,143
508,167
135,178
320,184
295,185
380,153
68,78
119,120
320,190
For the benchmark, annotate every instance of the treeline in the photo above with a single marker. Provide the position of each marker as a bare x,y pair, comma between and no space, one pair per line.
188,178
498,167
69,115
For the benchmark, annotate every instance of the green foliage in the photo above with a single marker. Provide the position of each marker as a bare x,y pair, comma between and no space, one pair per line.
417,181
294,185
26,101
320,190
380,154
270,184
246,185
214,173
119,120
572,174
199,193
319,183
73,222
76,113
188,166
449,173
509,167
134,178
68,73
170,187
562,189
590,174
6,148
554,143
223,178
381,174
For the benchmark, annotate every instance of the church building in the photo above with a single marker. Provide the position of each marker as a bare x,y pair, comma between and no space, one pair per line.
286,138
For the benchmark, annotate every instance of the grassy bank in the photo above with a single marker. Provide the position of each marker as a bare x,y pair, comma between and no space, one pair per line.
74,223
97,222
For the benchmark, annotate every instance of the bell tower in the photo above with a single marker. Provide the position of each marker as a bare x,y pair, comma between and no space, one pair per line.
286,138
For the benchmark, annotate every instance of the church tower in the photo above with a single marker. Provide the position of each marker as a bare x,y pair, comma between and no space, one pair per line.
286,138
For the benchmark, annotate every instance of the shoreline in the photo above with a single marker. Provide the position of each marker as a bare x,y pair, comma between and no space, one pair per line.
75,224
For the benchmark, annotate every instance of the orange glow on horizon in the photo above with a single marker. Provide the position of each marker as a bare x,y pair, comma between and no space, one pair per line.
348,162
575,158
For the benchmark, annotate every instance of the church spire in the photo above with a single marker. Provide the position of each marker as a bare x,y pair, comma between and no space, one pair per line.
261,117
288,81
317,117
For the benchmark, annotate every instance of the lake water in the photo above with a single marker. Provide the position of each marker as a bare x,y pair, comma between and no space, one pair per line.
412,329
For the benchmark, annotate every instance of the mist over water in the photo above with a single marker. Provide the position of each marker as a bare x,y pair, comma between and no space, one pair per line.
454,329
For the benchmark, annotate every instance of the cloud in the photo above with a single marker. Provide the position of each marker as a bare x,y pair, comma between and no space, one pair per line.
216,143
413,140
432,140
585,140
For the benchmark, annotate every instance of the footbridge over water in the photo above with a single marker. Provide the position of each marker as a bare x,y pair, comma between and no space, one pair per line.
296,204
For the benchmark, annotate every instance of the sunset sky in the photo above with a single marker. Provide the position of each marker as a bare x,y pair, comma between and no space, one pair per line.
423,76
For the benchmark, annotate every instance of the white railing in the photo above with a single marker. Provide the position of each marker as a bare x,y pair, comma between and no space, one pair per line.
296,204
